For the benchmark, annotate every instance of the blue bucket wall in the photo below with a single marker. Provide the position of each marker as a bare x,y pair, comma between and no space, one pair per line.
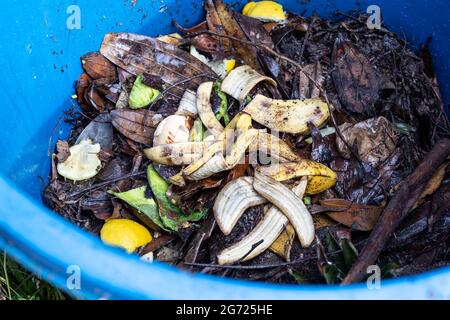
40,60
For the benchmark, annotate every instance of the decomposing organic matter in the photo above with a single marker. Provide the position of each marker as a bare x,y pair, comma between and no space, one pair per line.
261,145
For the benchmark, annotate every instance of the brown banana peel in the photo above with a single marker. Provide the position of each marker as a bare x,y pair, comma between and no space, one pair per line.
291,116
320,177
176,154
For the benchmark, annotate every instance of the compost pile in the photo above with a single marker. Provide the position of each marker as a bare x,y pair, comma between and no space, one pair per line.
261,145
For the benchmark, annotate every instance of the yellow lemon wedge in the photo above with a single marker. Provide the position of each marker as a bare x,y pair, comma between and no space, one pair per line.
264,11
124,233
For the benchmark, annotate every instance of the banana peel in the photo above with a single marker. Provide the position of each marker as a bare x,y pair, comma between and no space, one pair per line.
176,154
283,244
320,177
291,116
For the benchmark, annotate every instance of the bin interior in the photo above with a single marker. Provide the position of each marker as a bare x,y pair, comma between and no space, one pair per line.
40,60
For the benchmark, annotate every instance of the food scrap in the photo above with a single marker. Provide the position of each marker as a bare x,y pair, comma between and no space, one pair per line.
277,147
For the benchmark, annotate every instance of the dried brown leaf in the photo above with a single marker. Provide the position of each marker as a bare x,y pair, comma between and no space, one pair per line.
83,84
131,124
222,20
93,97
98,67
139,54
374,140
433,184
356,216
206,43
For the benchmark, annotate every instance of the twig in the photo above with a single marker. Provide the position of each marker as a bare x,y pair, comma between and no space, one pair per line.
256,267
106,183
397,209
49,153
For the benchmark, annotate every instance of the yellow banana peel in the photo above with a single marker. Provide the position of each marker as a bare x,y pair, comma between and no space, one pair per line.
320,177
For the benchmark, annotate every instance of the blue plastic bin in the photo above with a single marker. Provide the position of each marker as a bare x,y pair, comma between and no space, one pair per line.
39,57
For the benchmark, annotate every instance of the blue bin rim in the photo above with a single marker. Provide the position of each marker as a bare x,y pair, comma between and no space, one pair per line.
105,271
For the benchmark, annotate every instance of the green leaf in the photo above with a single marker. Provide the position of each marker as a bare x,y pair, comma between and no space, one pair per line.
171,215
387,268
332,274
298,277
147,206
223,110
349,252
333,248
307,200
198,131
142,95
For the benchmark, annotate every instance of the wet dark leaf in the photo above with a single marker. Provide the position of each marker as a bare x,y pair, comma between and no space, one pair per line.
100,131
310,89
99,202
115,169
320,147
354,78
253,29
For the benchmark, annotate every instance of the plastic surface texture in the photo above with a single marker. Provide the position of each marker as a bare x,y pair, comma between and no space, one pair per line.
40,59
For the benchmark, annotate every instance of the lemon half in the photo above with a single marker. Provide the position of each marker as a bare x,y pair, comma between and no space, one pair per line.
265,11
125,233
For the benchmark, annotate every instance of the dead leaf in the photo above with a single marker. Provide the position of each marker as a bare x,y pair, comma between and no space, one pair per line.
307,88
215,25
322,221
116,168
433,184
99,203
206,43
99,131
222,20
130,124
374,140
143,55
356,216
253,29
354,78
98,67
83,84
93,97
293,22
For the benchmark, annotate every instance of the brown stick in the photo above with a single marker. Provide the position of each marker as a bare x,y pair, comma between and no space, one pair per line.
397,209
